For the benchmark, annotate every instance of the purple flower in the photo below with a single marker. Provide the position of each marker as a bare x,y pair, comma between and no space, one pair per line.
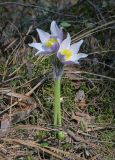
68,54
49,42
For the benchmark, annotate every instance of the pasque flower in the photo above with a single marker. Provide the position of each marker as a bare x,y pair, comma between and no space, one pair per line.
49,42
69,54
65,53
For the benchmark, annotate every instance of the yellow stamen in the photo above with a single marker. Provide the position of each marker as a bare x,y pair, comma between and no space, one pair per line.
50,42
67,53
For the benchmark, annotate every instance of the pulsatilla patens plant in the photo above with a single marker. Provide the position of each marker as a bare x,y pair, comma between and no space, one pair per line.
61,52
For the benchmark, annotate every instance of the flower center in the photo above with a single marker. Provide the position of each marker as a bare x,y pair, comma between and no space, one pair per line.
67,53
50,42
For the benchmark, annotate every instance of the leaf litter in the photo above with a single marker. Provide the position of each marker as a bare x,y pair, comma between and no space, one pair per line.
18,102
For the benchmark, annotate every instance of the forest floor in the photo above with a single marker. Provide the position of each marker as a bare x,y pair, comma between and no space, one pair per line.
27,86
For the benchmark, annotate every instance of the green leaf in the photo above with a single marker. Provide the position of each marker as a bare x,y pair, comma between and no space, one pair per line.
65,24
44,144
89,25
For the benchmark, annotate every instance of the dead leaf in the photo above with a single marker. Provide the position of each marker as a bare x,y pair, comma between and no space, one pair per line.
94,43
22,112
5,124
8,92
80,99
82,104
23,102
83,117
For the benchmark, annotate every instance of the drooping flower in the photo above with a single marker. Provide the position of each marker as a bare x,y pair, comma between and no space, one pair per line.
49,42
68,54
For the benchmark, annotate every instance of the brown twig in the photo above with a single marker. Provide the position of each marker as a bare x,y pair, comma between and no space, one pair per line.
97,9
78,138
32,144
27,94
94,74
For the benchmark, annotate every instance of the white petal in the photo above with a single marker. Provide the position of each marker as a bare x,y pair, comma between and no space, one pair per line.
43,52
82,55
76,46
76,62
38,46
54,29
65,43
44,36
76,57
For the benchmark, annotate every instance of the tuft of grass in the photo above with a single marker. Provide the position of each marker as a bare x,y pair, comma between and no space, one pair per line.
67,146
109,138
68,94
40,135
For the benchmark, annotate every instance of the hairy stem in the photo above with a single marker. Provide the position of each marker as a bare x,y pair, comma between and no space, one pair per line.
57,106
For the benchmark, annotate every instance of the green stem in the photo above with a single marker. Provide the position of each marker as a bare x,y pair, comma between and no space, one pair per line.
57,106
